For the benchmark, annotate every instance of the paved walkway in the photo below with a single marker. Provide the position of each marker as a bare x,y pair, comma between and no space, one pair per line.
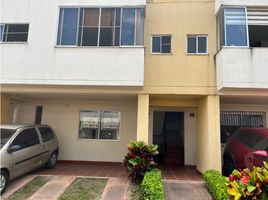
186,190
115,189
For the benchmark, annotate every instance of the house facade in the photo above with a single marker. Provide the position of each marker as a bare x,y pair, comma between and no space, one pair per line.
103,73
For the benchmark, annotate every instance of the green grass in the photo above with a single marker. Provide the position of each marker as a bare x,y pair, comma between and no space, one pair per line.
27,190
84,189
133,191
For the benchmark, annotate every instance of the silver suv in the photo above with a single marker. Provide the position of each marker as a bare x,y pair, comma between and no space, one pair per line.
25,148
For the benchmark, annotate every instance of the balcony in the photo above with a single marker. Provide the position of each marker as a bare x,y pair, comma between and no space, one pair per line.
219,3
242,68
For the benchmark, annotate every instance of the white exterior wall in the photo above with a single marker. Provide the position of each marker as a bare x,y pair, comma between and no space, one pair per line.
242,68
63,116
39,61
219,3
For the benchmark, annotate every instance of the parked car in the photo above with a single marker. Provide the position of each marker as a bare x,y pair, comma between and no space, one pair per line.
248,147
25,148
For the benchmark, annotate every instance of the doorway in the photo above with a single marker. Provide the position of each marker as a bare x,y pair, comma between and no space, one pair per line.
168,134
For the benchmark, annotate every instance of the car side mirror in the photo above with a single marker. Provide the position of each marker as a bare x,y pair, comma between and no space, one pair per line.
13,148
261,153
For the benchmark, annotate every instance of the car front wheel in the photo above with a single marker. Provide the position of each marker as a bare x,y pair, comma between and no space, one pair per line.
4,181
52,160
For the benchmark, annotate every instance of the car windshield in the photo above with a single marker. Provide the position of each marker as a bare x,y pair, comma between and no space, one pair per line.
6,134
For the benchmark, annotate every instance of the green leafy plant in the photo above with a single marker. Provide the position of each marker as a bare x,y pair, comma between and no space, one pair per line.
216,185
248,184
139,159
152,186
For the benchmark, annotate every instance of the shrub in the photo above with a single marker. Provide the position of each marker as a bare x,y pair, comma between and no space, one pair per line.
152,186
139,159
216,185
248,184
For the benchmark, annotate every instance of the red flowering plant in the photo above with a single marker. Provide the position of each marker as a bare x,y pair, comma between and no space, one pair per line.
139,159
249,185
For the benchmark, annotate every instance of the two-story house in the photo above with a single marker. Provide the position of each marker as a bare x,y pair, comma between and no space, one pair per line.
103,73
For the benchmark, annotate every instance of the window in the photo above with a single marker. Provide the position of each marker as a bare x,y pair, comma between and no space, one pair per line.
14,32
101,26
161,44
38,114
232,27
197,44
99,125
46,133
26,138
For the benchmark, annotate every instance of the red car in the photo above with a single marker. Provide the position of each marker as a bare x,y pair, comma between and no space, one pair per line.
248,147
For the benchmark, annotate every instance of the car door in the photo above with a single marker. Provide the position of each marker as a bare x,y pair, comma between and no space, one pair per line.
28,156
49,142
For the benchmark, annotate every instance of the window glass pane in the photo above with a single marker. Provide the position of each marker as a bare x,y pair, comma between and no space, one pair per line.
110,123
236,35
106,36
118,17
16,32
89,123
191,45
107,17
117,37
140,26
27,138
60,27
166,49
90,36
248,138
69,26
202,45
156,45
166,40
128,26
91,16
46,133
2,26
235,23
221,34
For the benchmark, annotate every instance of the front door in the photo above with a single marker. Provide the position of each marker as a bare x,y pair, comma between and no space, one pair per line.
29,155
168,133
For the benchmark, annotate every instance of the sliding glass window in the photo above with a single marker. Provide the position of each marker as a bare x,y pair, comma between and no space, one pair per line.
101,26
232,27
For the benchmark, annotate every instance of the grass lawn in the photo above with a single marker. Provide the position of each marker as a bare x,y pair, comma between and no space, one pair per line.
133,191
84,188
27,190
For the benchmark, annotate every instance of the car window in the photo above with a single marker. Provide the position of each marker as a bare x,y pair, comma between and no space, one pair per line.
5,135
26,138
248,138
46,133
261,144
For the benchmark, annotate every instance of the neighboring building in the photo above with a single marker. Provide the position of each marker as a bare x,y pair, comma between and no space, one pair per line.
242,64
105,74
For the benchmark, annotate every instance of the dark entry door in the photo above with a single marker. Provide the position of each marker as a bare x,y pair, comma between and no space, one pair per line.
169,135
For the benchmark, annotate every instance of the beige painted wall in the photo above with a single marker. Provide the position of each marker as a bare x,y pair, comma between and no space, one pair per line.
63,116
5,107
178,72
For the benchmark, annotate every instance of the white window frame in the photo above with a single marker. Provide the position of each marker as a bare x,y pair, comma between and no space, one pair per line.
196,44
100,9
99,124
160,36
225,36
3,40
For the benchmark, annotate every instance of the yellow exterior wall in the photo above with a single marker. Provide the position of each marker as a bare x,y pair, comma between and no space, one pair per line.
208,134
143,118
179,73
5,106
